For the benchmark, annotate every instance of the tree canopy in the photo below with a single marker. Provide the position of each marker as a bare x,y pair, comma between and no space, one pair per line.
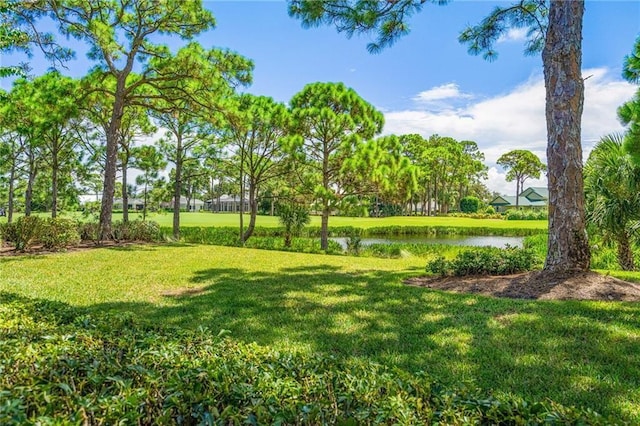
555,28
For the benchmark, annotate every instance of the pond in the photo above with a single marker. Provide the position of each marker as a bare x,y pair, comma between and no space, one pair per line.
458,240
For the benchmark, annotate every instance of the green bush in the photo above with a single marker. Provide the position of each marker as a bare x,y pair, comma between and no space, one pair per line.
89,231
603,253
469,205
59,233
490,210
24,232
354,244
439,266
60,366
137,230
526,214
300,245
485,261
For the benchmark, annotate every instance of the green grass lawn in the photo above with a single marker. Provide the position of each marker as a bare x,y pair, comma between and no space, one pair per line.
229,219
577,353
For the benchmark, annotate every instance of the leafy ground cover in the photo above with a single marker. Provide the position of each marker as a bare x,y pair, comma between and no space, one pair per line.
61,366
574,352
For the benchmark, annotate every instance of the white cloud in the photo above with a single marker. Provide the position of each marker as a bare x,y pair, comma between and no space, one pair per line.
514,34
439,93
514,120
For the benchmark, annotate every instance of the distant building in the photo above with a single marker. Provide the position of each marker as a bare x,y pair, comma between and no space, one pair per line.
226,203
132,204
194,204
536,198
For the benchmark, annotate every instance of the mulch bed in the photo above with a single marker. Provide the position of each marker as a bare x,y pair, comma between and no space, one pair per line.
537,285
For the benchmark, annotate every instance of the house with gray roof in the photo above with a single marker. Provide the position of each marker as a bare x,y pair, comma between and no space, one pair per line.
535,198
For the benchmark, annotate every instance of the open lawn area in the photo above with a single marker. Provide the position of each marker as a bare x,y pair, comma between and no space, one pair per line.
576,353
228,219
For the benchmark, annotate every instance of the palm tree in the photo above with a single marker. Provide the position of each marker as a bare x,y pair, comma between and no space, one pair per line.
612,184
293,217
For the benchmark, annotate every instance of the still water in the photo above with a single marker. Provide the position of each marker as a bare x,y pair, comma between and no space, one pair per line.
493,241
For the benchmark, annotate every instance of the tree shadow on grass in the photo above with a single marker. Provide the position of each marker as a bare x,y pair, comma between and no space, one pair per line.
583,353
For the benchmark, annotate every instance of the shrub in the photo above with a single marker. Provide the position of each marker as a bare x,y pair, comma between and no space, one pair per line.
58,233
293,218
137,230
60,366
490,210
24,232
526,214
89,231
469,205
485,261
354,244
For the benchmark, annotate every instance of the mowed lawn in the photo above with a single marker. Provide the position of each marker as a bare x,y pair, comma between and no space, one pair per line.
577,353
230,219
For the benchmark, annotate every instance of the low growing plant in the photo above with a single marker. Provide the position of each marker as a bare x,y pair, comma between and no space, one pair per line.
59,233
24,232
485,261
60,366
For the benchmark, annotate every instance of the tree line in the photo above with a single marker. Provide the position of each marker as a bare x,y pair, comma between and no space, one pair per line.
322,149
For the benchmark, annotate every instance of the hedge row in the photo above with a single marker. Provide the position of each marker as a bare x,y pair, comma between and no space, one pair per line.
60,233
214,235
59,366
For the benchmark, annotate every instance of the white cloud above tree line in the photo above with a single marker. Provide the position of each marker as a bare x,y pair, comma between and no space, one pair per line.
513,120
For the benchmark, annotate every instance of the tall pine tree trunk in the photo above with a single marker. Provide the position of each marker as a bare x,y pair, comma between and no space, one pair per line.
177,190
125,193
324,228
253,206
54,184
568,249
33,172
12,177
113,133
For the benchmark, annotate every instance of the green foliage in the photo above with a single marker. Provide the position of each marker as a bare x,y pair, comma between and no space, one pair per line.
24,232
529,14
516,214
137,230
59,233
89,231
354,244
439,266
521,165
490,210
60,366
604,255
469,205
493,215
485,261
293,218
299,245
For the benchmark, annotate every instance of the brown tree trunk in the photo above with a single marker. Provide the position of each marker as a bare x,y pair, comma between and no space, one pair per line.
324,228
568,249
12,176
54,184
125,194
177,189
253,206
33,172
625,255
125,190
109,184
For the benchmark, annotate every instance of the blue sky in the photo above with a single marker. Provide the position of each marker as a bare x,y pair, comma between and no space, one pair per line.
427,82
